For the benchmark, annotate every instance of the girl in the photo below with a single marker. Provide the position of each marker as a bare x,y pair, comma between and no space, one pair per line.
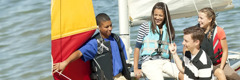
215,45
153,39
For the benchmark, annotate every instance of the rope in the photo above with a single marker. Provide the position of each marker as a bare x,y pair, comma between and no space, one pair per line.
99,68
63,75
61,40
195,6
212,8
210,3
168,24
60,47
59,72
170,36
60,30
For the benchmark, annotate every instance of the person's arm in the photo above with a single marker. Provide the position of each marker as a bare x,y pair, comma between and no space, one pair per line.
225,52
141,34
62,65
86,52
222,36
137,71
178,61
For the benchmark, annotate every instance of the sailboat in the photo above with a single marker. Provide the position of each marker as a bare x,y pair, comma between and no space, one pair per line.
72,24
139,11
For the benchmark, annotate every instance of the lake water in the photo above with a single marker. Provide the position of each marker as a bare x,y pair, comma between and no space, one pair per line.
25,35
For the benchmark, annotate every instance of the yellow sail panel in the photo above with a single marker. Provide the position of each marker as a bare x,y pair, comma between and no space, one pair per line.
71,17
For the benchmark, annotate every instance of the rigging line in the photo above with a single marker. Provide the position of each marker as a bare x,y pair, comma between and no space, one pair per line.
169,33
210,3
60,30
212,8
168,23
61,35
63,75
99,67
59,72
61,39
195,6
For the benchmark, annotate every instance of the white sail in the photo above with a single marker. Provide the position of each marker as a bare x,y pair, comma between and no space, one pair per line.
140,10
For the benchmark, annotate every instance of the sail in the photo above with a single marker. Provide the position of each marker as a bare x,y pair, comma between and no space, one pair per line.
72,24
140,10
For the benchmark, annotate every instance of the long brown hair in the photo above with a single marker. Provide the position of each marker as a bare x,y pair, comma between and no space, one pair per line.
163,6
210,15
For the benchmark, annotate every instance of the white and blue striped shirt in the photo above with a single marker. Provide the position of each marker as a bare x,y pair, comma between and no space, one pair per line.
142,32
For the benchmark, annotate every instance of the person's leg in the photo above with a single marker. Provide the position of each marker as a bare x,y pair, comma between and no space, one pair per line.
230,73
153,69
219,74
170,68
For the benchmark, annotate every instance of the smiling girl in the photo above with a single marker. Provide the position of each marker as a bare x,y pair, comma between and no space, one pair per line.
152,42
215,45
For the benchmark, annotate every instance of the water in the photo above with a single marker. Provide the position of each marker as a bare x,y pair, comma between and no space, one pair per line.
25,35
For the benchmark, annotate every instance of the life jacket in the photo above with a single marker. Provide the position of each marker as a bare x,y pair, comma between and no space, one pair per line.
102,66
154,44
217,47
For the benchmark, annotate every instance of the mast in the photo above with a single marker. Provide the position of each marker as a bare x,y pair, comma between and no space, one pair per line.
124,28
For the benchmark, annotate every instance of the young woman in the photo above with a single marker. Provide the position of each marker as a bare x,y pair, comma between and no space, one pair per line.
215,45
152,42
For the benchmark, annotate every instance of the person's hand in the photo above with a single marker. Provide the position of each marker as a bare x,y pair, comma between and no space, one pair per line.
59,67
173,48
137,73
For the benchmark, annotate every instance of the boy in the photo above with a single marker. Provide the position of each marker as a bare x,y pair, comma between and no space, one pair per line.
196,64
105,49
